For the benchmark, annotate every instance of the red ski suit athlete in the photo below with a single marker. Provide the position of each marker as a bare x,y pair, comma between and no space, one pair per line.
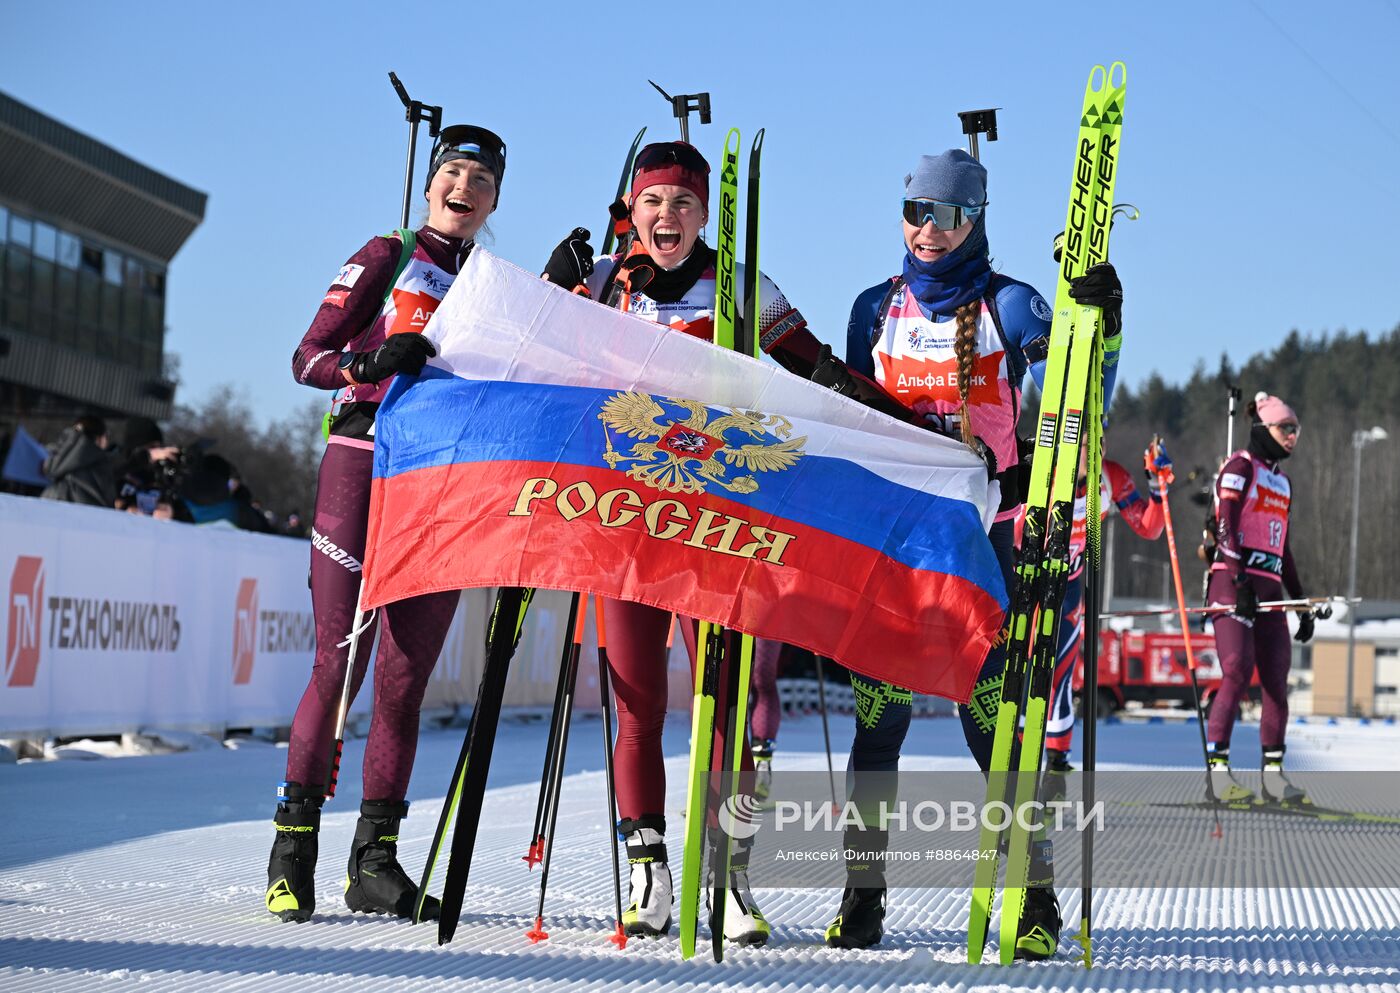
1252,500
1146,518
636,632
356,313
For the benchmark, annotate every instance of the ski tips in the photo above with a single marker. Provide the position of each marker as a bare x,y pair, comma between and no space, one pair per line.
732,142
1114,77
1118,75
758,141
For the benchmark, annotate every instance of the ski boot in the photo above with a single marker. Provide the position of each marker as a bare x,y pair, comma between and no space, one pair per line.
648,911
1038,933
1276,788
375,883
860,923
744,923
1223,786
763,769
291,869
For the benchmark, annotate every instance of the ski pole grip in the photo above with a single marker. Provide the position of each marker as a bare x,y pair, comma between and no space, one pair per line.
335,769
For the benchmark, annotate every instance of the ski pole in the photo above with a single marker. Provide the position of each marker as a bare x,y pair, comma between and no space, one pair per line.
414,112
619,936
538,933
533,853
826,730
1164,479
1318,606
1232,397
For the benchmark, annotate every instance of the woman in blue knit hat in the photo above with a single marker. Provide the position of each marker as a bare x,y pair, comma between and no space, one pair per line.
952,341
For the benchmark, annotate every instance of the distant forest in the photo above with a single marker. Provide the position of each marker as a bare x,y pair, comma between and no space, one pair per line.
1338,384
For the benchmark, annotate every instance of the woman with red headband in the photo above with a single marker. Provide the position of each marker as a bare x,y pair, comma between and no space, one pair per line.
1253,564
667,276
366,331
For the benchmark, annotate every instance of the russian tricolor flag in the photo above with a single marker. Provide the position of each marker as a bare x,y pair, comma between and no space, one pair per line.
555,443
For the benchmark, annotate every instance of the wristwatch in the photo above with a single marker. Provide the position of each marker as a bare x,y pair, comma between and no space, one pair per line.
346,360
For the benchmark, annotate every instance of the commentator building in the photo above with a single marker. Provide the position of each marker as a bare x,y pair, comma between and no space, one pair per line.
86,239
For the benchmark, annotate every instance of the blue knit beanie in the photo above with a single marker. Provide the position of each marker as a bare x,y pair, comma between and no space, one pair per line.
951,177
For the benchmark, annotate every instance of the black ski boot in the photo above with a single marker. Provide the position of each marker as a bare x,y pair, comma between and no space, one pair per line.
291,869
375,883
860,923
1038,936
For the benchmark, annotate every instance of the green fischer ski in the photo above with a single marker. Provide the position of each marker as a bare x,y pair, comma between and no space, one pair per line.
713,642
1043,560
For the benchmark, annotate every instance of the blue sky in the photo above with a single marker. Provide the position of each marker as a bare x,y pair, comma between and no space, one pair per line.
1261,143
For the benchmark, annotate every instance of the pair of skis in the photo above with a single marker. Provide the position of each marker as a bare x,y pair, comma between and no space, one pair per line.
725,657
1070,416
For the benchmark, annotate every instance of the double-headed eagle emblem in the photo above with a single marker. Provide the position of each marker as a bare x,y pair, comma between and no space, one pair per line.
684,456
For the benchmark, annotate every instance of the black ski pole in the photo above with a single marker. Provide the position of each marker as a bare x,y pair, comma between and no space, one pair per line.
538,933
619,936
474,762
414,112
826,730
534,853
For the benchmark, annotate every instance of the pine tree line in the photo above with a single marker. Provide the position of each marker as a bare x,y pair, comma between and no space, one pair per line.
1338,384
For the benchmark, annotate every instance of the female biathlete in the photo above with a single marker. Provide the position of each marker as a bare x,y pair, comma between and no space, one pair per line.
1253,564
952,341
366,331
668,277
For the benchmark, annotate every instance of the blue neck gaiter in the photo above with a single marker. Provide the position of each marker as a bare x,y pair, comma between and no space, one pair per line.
962,276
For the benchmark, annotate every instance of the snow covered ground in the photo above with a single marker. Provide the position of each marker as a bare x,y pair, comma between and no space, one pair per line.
147,874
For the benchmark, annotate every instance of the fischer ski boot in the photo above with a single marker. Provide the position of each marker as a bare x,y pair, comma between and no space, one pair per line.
375,883
1038,934
763,769
648,911
1276,788
860,923
744,923
291,868
1223,786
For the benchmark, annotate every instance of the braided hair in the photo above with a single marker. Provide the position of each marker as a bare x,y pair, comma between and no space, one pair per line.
965,349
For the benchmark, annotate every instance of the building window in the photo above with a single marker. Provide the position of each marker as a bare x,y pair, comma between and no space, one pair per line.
21,231
112,267
45,242
4,224
90,260
70,250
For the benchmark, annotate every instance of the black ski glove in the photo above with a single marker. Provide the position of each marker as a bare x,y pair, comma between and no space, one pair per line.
1246,600
1100,287
832,373
571,262
639,270
1306,623
405,352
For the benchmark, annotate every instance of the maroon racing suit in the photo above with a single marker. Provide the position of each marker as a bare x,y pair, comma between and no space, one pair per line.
680,300
359,310
764,705
1252,498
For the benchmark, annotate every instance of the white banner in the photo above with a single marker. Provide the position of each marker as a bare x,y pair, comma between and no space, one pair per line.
115,622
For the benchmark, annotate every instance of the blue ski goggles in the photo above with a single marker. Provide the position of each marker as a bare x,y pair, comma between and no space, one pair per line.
945,216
